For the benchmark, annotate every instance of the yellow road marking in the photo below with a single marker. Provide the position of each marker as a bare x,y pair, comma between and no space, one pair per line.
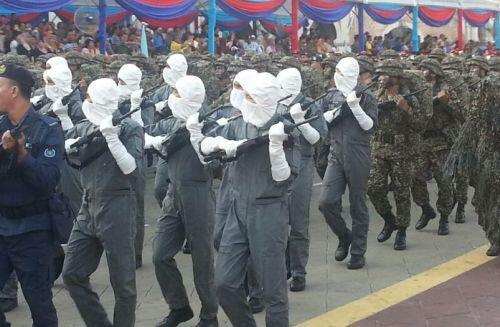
387,297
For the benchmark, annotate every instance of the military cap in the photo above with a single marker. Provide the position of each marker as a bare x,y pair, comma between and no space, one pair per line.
453,63
43,58
433,65
331,61
17,74
75,58
390,67
365,64
389,54
437,54
479,61
15,59
495,63
289,61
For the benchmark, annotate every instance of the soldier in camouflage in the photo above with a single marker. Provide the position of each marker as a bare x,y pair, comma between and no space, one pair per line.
439,136
400,119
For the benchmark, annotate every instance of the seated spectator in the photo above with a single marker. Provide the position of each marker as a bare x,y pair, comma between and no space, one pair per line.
70,44
253,47
159,43
89,48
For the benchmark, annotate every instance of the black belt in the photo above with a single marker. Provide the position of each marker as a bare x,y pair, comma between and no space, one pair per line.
32,209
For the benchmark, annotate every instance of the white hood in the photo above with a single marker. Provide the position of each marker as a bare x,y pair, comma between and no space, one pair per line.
104,96
131,75
191,95
61,77
237,95
291,83
177,68
56,62
265,91
346,75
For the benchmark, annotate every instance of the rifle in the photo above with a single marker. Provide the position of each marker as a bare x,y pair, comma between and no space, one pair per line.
358,94
247,145
435,98
152,89
390,103
87,139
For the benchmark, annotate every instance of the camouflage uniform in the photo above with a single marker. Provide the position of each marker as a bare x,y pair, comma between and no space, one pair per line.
390,144
213,74
439,136
437,54
454,68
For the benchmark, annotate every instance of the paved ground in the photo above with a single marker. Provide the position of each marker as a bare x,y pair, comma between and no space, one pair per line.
330,284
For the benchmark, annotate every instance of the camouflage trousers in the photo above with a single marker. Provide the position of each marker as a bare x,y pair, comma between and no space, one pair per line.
399,170
433,161
461,187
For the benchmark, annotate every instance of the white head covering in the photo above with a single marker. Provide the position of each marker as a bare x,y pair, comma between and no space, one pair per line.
131,75
104,95
62,77
291,83
236,97
192,93
56,62
265,90
177,68
346,75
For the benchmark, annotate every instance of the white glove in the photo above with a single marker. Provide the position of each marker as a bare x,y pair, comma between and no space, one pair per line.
135,102
330,115
107,128
68,143
230,147
160,105
364,121
280,170
153,141
298,115
222,121
36,99
61,111
124,159
309,133
193,124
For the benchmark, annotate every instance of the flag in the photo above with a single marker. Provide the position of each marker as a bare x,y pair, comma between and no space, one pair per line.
144,42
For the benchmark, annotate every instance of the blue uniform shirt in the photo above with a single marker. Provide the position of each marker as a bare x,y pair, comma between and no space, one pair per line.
35,178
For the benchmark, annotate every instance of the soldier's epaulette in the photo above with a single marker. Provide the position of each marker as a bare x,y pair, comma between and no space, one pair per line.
49,121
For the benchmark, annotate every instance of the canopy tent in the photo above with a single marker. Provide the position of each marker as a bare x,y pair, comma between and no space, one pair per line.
283,16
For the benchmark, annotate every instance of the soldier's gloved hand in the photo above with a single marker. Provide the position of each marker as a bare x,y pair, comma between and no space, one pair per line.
68,143
352,100
193,124
280,170
36,99
153,141
330,115
230,147
277,133
135,102
160,105
108,129
298,115
61,112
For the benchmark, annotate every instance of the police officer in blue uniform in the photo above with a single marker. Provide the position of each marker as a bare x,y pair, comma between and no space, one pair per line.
31,154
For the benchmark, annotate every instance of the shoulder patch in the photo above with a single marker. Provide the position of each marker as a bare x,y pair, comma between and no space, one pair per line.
49,152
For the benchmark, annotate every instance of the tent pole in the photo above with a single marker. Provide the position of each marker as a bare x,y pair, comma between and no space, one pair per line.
497,30
414,32
102,36
294,35
212,17
361,32
460,15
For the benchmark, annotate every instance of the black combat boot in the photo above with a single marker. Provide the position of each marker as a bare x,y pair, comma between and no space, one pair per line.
493,251
138,261
176,317
298,284
428,213
460,214
356,262
343,248
400,241
443,229
389,227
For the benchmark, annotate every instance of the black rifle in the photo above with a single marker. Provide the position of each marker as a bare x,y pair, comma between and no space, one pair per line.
87,139
390,103
344,113
247,145
435,98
